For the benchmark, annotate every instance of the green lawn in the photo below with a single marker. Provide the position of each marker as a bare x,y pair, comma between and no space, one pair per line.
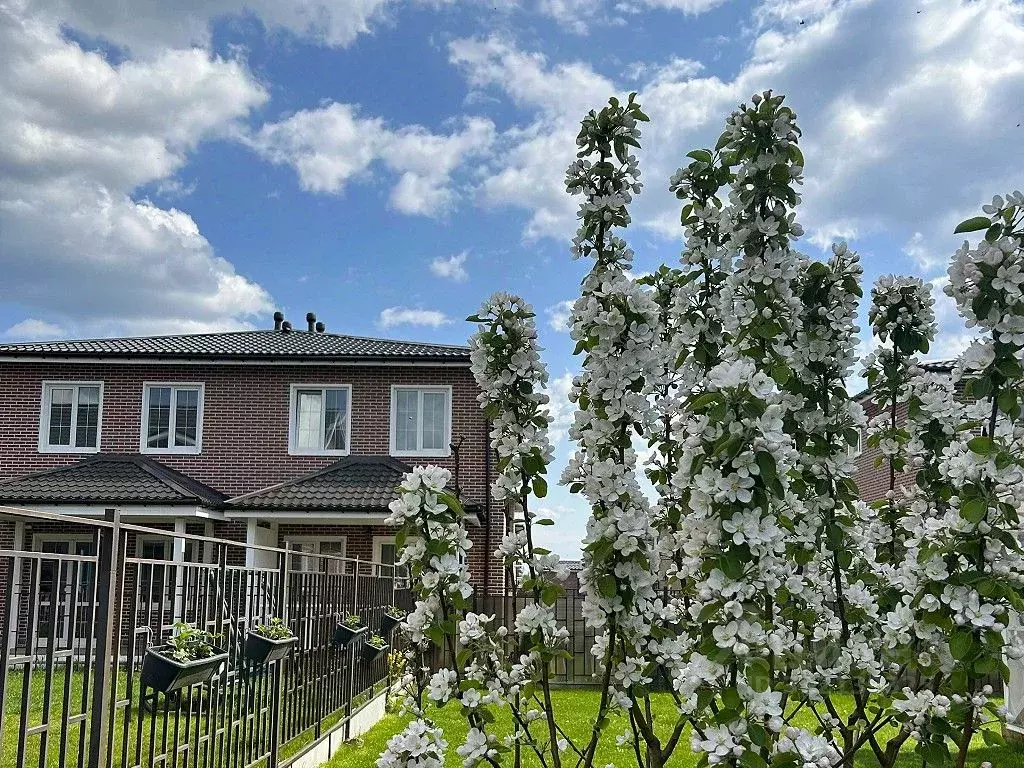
577,710
152,730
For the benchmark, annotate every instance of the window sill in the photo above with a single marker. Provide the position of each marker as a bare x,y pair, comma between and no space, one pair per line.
298,452
171,451
66,449
421,454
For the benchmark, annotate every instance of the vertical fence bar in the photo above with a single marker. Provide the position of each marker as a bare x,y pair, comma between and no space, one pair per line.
107,592
275,707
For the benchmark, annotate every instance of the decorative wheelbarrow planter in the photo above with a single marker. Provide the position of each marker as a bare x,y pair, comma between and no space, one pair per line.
392,618
260,650
347,631
373,648
166,675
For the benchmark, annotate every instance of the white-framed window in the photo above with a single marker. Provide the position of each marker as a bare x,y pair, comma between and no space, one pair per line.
70,417
172,418
320,422
384,550
304,551
421,420
854,451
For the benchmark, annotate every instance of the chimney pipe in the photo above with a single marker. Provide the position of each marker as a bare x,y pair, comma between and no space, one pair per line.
278,319
311,321
286,327
320,327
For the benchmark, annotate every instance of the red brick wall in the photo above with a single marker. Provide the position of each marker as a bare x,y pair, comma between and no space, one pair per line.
245,417
872,481
246,425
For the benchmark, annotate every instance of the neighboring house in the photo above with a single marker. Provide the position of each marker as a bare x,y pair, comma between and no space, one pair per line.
872,480
280,437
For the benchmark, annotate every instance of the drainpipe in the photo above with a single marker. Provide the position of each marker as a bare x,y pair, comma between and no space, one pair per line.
487,508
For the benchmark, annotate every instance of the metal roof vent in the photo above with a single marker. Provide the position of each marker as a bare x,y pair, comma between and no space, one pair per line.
320,327
311,321
286,327
278,319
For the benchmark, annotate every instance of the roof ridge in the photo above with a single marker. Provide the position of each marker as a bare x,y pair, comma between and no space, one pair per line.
134,338
170,476
344,461
238,332
391,341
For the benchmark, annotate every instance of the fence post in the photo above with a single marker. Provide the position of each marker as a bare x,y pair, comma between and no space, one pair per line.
275,711
351,651
107,597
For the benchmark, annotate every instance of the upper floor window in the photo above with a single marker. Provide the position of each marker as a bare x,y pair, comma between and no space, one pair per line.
421,423
172,418
320,419
70,419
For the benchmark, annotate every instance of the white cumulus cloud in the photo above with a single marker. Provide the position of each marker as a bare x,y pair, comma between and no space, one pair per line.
80,134
560,315
909,117
333,145
393,316
33,329
451,267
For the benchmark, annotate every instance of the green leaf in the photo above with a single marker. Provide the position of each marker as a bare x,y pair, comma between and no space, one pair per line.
540,487
702,155
981,445
1008,401
758,675
973,224
731,699
607,586
960,645
974,511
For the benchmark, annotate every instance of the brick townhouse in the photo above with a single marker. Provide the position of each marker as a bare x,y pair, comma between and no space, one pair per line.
284,437
872,480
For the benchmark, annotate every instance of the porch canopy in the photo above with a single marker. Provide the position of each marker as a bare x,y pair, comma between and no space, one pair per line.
137,485
355,490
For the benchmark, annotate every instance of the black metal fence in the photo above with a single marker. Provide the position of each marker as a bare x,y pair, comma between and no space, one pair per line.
80,618
578,671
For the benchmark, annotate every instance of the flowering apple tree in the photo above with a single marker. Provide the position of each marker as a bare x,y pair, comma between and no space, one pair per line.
792,624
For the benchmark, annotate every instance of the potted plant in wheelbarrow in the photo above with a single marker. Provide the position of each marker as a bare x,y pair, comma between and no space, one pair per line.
393,616
349,629
269,642
188,657
373,647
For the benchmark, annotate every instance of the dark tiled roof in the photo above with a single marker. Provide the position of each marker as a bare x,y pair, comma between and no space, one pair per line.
110,479
243,345
938,366
929,366
355,483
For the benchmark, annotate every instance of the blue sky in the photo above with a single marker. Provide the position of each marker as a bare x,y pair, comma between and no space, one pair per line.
197,164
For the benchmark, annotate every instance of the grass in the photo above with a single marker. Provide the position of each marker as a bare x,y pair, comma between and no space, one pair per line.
577,710
152,730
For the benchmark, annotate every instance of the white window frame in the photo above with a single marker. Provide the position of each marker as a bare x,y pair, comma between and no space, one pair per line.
378,542
318,540
71,538
293,424
44,418
854,451
187,450
440,453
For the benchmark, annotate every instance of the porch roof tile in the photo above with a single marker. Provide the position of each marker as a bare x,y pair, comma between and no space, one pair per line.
356,483
105,478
